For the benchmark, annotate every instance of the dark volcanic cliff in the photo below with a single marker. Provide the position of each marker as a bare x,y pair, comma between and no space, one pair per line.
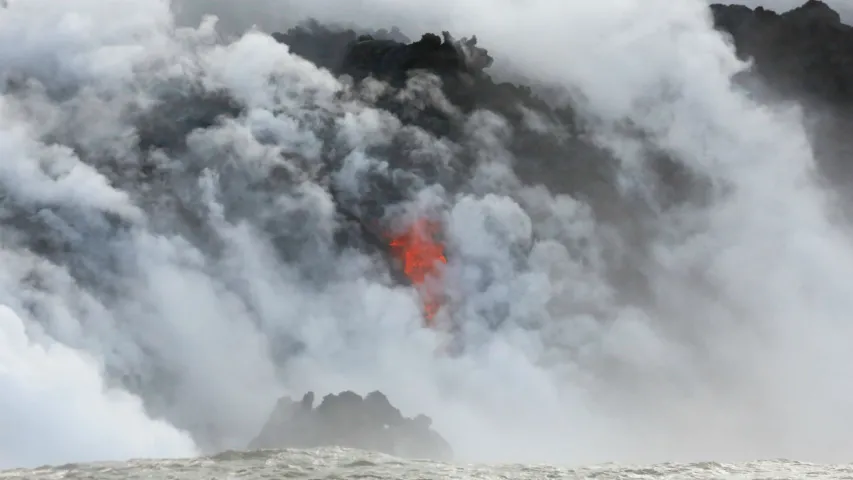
348,420
804,54
805,51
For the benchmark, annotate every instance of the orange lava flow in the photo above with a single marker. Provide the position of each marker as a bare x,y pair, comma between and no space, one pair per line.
421,257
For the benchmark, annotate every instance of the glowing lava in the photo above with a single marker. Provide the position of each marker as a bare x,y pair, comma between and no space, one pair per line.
421,256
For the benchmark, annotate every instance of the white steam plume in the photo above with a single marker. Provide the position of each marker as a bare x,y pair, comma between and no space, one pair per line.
740,352
55,406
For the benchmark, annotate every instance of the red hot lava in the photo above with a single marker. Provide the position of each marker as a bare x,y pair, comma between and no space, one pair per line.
422,256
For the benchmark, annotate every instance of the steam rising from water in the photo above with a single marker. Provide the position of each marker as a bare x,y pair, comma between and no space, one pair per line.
172,287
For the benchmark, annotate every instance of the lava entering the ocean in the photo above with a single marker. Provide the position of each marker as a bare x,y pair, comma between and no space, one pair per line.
421,255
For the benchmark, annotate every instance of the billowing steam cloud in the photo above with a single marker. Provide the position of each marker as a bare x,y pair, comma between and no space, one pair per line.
56,407
150,298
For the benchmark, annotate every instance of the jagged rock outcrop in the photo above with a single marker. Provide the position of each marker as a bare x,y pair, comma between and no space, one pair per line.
348,420
391,60
540,130
384,54
804,54
806,51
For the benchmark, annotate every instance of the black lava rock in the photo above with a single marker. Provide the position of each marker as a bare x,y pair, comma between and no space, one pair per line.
348,420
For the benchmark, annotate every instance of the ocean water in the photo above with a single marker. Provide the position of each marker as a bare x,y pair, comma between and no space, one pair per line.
343,464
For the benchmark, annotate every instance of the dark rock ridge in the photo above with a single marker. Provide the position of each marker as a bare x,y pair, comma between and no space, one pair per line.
804,51
384,54
348,420
804,54
413,70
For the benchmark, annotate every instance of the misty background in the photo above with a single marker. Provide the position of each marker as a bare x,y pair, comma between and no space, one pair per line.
278,15
167,277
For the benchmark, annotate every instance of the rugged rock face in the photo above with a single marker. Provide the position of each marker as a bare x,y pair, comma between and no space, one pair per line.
412,71
348,420
804,54
805,51
391,60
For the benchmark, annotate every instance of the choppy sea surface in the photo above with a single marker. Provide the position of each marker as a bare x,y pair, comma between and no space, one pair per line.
338,463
